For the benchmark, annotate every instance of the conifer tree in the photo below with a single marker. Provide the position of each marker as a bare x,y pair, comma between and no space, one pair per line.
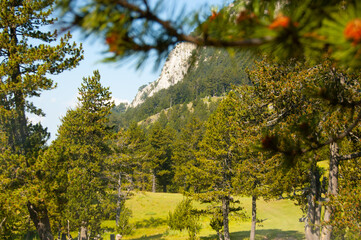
186,148
217,158
126,171
83,143
309,109
28,57
136,149
160,156
258,174
185,217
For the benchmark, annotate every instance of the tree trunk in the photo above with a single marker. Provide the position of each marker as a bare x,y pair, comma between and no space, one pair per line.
332,190
220,237
312,222
19,124
153,182
225,213
69,237
120,200
1,223
254,218
83,232
39,216
165,188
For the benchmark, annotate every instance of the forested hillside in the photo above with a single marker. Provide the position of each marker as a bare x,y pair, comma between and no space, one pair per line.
213,72
289,129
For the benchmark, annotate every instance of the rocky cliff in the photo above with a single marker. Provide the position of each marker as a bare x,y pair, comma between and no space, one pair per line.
173,71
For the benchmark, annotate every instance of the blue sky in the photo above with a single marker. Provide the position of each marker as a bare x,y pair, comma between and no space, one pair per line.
122,79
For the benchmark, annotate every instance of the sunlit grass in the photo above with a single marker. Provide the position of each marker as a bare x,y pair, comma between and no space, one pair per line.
150,211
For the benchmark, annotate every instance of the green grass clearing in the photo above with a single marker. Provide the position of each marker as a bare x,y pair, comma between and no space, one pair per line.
150,211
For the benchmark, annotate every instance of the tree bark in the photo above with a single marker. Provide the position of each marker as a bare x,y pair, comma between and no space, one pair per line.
19,124
219,235
332,190
39,216
83,232
312,222
254,218
120,200
225,213
2,222
153,182
69,237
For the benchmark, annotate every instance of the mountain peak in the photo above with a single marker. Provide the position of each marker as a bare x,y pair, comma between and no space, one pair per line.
173,71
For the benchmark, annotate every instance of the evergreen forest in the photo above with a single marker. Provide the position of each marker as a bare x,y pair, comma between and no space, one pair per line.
267,119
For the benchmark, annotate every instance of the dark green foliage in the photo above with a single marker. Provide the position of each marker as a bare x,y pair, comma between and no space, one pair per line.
216,159
179,116
185,217
160,154
132,146
186,148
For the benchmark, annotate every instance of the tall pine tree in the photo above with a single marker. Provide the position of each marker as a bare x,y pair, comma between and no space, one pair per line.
28,56
83,146
219,152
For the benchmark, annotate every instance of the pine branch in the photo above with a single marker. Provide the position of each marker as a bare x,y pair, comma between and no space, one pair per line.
350,156
2,222
338,137
181,37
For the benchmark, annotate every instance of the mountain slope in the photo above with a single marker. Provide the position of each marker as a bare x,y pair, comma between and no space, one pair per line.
212,72
173,71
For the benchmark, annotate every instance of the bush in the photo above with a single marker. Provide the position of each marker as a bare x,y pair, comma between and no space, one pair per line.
185,217
124,227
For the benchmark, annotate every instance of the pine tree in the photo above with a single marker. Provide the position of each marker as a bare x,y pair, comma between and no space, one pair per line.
185,217
185,152
257,174
136,149
160,156
309,108
28,56
126,171
218,155
83,143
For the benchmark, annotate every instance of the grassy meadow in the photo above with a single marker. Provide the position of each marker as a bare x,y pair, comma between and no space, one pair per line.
150,211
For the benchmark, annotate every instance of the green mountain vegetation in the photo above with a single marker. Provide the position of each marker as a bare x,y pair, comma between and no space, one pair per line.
288,132
213,72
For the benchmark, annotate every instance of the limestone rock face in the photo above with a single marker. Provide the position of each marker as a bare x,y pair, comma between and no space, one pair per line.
173,71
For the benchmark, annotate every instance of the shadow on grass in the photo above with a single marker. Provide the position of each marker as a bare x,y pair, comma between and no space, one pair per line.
263,234
153,237
108,229
151,222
